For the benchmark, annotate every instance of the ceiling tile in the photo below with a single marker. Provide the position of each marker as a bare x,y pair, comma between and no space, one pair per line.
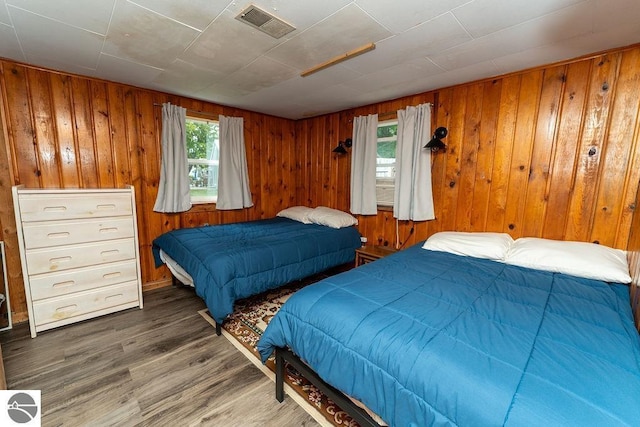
478,71
175,77
43,38
198,14
343,31
403,79
406,14
9,46
90,15
608,14
4,14
553,28
338,93
218,90
438,34
296,93
145,37
573,47
398,76
124,71
482,17
228,45
329,76
300,14
54,64
281,108
260,74
197,48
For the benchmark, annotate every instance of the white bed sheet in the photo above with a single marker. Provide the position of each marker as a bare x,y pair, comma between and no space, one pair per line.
176,270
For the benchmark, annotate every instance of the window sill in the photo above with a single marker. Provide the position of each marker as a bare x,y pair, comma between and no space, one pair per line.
203,200
385,208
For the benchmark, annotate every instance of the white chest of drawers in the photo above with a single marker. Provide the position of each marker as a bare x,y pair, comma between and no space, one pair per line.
79,253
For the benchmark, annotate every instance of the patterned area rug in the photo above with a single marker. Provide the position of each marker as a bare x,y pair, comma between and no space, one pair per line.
245,326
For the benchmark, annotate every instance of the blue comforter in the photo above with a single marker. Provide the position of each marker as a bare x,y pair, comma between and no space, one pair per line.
232,261
430,338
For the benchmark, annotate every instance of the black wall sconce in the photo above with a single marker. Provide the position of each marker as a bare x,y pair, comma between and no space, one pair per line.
342,146
436,140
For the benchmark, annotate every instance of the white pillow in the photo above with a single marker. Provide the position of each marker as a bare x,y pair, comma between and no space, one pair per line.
297,213
331,217
478,245
581,259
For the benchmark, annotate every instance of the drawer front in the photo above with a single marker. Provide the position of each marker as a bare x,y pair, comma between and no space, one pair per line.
67,257
55,309
58,233
82,279
51,207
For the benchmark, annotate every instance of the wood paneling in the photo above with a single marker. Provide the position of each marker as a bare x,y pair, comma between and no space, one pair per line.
633,255
74,132
550,152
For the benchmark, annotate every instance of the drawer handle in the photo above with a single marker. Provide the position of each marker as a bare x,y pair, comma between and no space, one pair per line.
109,206
57,261
66,308
64,284
58,235
55,208
108,230
112,275
113,296
109,253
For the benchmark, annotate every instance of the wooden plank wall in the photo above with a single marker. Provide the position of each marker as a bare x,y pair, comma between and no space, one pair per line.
546,152
550,152
68,131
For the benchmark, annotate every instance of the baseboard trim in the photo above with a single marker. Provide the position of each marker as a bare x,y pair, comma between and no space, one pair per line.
156,285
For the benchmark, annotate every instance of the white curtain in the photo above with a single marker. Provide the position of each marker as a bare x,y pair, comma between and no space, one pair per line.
363,165
413,197
173,189
233,175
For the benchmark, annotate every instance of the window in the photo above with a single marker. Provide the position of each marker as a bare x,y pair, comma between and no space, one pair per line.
203,153
386,162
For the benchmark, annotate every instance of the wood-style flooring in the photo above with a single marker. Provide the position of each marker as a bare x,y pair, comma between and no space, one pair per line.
160,366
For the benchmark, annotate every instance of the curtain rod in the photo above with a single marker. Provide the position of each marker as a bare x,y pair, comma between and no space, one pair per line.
388,114
392,113
189,110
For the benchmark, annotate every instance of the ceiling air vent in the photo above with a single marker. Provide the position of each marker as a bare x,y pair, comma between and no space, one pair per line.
265,22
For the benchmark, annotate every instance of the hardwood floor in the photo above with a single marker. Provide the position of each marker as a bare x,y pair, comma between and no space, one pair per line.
160,366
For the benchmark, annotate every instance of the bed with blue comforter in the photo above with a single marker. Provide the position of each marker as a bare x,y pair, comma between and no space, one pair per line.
431,338
232,261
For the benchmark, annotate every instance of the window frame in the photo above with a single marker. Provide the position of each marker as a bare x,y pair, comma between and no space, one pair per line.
199,200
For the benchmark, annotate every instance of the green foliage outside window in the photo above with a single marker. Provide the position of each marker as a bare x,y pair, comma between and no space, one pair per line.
387,141
203,155
199,135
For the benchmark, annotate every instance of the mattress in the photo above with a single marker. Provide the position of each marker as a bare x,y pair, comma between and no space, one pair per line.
431,338
232,261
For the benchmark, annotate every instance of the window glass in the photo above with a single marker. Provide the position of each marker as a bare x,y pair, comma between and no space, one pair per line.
203,151
386,162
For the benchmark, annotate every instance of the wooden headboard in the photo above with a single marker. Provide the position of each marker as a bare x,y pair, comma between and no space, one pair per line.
633,249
